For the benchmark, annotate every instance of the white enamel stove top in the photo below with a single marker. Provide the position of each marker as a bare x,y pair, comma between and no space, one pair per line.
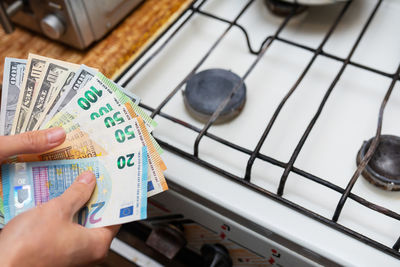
348,118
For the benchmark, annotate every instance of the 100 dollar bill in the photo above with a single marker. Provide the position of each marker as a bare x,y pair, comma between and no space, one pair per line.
13,75
54,78
119,196
33,72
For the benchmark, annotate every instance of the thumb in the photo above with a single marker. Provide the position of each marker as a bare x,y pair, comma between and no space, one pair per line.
30,142
78,193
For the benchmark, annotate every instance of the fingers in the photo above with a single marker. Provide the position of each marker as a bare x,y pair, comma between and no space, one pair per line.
100,240
105,234
31,142
78,193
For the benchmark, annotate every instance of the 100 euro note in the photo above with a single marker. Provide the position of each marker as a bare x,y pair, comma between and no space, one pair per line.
13,75
82,77
98,88
119,196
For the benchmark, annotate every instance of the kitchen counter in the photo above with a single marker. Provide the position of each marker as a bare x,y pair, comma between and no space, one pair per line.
110,55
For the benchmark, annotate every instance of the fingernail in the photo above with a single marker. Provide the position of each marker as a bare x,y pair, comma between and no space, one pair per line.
86,177
55,135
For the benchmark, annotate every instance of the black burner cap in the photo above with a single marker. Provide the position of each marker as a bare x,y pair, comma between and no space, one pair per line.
283,9
206,90
383,169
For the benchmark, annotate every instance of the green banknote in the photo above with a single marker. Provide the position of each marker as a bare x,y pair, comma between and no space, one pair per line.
99,89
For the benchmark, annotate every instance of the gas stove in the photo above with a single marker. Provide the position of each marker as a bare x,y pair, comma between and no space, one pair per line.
290,152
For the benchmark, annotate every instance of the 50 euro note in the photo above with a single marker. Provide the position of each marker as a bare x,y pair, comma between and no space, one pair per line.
97,89
119,195
108,135
117,129
56,75
113,125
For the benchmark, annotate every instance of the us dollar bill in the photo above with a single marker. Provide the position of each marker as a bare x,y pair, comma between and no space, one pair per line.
82,76
56,97
54,77
34,69
13,75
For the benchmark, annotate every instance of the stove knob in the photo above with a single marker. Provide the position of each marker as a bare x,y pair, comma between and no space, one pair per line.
215,256
52,26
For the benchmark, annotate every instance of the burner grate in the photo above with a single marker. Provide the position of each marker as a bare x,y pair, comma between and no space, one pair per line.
195,8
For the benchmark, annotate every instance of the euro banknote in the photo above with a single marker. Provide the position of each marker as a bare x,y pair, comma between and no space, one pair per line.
2,221
119,195
83,76
104,125
108,117
116,130
97,89
109,135
13,75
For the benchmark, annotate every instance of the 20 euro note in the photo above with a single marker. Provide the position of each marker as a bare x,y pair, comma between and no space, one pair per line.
113,126
115,130
119,195
91,139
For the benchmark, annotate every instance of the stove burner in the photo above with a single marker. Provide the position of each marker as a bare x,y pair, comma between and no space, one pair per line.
283,9
383,169
206,90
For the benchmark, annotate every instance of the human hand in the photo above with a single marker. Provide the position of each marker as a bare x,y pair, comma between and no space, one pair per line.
30,142
46,235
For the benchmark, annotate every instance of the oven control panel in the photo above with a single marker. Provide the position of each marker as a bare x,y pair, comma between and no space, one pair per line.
203,227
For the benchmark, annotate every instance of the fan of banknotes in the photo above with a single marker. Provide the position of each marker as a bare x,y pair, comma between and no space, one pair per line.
107,133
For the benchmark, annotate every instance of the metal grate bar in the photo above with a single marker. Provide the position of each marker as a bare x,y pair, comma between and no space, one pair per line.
223,104
246,35
335,57
193,71
281,164
256,153
326,96
162,46
370,151
281,200
289,93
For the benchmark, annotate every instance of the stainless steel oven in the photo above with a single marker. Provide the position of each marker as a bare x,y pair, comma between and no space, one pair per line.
76,23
